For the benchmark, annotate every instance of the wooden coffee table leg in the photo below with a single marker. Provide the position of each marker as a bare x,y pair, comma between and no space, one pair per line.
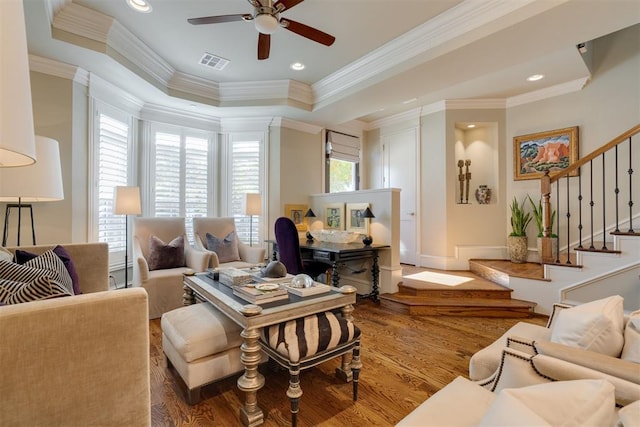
188,297
252,380
344,372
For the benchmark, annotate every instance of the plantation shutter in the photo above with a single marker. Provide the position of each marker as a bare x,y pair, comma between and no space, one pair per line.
196,180
245,178
113,138
167,174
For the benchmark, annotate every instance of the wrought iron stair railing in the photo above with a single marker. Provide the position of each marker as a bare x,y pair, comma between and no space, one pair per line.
602,200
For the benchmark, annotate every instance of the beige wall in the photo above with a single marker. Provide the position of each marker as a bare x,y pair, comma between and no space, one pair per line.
53,117
606,107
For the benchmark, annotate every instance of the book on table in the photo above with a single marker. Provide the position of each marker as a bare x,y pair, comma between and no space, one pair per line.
315,289
261,293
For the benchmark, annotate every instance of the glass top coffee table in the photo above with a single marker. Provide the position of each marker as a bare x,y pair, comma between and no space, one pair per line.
252,318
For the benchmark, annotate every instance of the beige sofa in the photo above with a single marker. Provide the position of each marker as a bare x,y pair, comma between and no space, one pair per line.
80,360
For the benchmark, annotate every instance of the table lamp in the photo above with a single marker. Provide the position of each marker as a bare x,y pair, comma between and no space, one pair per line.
368,240
126,201
251,205
38,182
309,214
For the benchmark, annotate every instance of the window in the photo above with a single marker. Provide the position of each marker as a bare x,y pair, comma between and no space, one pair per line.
181,184
112,139
343,163
244,159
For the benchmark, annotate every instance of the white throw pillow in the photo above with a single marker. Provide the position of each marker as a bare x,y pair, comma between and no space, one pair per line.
629,416
631,349
562,403
597,326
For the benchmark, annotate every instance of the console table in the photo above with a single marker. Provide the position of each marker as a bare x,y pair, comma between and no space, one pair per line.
336,254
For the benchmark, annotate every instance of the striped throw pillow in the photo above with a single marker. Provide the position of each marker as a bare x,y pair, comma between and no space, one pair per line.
301,338
43,277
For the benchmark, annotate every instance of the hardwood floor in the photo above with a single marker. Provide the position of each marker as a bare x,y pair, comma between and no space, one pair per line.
405,360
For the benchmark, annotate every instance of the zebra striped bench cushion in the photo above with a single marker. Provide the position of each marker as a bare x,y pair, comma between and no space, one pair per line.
305,337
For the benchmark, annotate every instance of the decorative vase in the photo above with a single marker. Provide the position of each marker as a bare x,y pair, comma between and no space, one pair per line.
517,247
483,195
554,249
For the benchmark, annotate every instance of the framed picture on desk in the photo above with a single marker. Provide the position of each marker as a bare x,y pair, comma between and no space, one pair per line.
355,220
334,216
296,214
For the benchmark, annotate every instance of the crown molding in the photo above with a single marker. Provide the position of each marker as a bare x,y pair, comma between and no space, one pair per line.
475,104
184,118
246,124
84,22
193,85
295,125
108,92
58,69
549,92
406,116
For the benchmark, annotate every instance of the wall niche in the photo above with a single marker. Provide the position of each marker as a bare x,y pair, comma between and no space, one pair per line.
476,150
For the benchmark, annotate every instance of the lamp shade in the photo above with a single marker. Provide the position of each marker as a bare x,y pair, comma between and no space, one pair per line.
17,139
310,214
368,214
126,200
39,182
252,204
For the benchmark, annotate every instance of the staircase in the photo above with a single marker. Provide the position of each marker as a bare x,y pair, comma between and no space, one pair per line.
464,294
597,205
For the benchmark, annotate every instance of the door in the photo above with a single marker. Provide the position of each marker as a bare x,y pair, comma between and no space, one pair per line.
400,157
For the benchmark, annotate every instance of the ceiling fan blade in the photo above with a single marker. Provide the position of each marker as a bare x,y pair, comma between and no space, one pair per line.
264,45
308,32
216,19
286,4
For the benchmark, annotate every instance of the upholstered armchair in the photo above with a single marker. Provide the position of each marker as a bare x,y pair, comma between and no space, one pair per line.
218,237
162,254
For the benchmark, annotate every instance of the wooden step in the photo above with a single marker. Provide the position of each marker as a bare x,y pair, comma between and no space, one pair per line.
464,307
499,270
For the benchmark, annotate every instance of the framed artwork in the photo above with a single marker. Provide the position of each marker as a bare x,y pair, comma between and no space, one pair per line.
296,214
334,216
355,220
552,151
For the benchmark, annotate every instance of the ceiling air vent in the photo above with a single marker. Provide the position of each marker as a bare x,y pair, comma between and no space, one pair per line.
213,61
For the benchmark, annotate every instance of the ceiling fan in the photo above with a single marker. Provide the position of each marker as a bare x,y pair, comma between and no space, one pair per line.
267,19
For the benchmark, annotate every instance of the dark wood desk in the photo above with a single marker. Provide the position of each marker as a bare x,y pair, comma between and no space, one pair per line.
336,254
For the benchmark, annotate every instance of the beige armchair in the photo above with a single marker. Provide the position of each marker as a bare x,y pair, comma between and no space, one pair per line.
164,286
247,256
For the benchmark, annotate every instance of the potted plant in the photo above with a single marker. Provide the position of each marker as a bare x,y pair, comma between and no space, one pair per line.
517,240
537,215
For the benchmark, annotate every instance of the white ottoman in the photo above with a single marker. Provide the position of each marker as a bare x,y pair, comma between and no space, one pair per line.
202,344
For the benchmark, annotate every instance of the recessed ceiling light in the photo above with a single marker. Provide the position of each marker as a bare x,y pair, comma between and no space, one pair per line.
139,5
470,126
535,77
409,101
297,66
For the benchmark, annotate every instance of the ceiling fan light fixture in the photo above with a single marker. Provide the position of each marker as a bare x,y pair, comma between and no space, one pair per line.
265,23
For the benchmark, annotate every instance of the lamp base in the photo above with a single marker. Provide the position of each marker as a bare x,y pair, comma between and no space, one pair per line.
309,236
368,240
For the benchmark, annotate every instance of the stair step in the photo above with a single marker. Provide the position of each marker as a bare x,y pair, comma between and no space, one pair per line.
499,270
498,293
466,307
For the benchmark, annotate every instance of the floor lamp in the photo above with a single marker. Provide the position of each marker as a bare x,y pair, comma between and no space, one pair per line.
126,201
251,205
38,182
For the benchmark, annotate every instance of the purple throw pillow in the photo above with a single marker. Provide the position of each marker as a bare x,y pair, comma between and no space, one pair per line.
61,252
166,255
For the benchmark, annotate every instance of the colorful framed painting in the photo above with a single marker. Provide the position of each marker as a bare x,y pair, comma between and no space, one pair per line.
334,216
296,214
552,151
354,217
